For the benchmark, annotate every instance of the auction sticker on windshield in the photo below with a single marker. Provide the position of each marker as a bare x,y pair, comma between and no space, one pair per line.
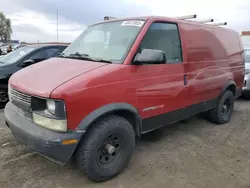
137,23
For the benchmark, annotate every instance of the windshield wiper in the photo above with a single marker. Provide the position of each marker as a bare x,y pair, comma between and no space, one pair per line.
103,61
61,55
77,54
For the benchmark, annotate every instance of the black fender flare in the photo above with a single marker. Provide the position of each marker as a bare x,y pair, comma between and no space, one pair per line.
109,109
228,84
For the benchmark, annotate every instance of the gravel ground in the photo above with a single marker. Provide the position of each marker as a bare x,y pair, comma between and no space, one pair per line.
193,154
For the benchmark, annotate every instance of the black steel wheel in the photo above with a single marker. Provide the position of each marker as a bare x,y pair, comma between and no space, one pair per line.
112,148
106,148
222,112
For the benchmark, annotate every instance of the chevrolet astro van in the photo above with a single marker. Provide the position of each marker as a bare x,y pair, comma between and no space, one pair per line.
121,79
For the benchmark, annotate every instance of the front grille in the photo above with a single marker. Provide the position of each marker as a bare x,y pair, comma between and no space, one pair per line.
19,97
21,102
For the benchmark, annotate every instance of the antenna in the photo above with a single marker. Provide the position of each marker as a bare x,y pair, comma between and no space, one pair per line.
187,17
219,24
109,18
206,21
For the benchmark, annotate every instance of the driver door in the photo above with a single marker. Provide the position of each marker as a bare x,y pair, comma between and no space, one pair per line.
161,92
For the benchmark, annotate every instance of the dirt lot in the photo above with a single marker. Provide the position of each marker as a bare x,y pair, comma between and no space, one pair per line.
195,154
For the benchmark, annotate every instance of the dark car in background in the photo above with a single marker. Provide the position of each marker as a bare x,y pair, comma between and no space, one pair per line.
19,46
21,58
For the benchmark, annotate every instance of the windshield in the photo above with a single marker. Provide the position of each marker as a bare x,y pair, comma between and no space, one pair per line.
108,41
247,56
16,55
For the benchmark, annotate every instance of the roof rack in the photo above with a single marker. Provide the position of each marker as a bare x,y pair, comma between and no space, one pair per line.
219,24
109,18
202,21
185,18
206,21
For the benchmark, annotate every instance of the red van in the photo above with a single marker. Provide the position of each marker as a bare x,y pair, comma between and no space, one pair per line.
119,80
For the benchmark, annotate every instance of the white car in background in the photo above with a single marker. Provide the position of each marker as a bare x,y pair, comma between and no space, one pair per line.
246,86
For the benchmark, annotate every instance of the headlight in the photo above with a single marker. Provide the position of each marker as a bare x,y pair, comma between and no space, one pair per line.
51,106
49,113
50,123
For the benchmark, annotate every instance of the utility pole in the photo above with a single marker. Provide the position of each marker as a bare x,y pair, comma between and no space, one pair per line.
57,25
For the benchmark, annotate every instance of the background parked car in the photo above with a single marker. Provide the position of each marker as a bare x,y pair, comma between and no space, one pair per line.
20,58
246,86
19,46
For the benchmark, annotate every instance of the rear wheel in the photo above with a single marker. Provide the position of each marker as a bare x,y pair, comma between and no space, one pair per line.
106,148
246,95
223,110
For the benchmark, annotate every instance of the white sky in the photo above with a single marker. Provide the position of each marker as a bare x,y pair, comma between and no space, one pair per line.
67,30
32,25
235,12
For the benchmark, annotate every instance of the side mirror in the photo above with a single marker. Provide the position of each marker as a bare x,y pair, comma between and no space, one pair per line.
150,56
27,62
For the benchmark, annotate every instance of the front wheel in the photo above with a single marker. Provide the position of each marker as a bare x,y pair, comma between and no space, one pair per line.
106,148
223,110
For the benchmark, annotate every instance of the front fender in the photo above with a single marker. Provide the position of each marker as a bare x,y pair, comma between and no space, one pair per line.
107,109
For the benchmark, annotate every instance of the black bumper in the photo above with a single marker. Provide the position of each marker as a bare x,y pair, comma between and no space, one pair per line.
46,142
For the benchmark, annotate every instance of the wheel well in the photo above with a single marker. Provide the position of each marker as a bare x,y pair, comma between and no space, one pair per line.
129,116
232,88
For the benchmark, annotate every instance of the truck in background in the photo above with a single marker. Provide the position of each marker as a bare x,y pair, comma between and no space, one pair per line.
245,36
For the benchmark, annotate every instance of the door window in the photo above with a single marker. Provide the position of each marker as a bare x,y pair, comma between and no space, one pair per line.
165,37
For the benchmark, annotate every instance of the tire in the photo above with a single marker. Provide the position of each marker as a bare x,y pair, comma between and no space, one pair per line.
94,160
223,110
246,95
3,97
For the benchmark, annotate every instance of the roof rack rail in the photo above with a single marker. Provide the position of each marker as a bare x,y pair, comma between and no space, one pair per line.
109,18
184,18
187,17
206,21
219,24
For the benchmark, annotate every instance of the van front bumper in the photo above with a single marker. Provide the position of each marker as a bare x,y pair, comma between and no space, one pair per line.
48,143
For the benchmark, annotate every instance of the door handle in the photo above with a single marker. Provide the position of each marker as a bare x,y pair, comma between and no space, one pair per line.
185,79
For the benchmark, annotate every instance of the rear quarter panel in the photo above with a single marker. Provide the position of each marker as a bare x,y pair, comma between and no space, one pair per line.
213,57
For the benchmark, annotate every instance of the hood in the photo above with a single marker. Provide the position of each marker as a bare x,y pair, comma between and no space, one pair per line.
42,78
